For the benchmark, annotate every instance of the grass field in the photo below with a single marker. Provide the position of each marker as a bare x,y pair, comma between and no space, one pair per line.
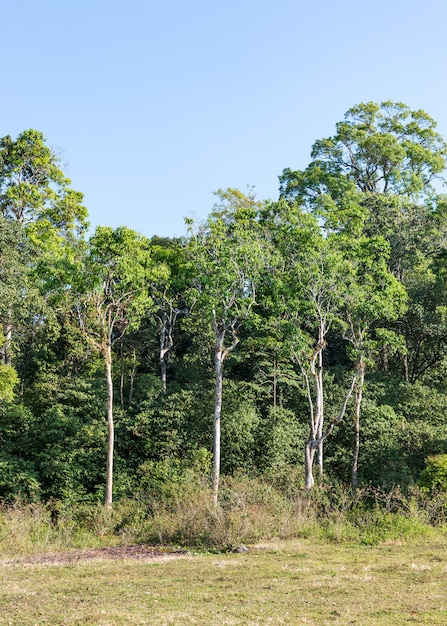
293,582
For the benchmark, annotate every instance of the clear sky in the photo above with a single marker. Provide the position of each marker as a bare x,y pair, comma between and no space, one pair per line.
155,105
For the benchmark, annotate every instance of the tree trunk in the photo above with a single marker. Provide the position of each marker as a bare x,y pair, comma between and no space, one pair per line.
163,373
111,431
384,358
6,348
316,405
315,440
122,376
167,321
274,383
406,368
133,373
218,362
358,401
309,454
163,350
320,410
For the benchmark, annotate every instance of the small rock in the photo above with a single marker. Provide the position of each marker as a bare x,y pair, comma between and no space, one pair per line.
240,549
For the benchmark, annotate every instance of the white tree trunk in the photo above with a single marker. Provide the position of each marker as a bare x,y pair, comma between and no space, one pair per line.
7,342
309,453
316,406
320,410
357,407
110,425
218,363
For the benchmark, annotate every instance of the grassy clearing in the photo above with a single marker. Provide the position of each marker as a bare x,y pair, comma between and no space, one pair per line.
294,582
320,558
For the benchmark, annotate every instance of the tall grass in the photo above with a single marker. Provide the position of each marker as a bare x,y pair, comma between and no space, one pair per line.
250,510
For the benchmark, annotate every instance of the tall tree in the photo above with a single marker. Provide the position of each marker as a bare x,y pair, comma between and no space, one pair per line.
376,175
227,256
379,174
168,294
15,285
321,291
114,295
36,195
372,297
307,294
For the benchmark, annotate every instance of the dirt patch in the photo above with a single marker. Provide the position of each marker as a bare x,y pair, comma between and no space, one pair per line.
135,552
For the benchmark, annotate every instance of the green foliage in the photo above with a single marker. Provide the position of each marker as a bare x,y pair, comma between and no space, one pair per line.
434,475
114,281
8,381
227,256
172,424
240,424
282,439
348,265
18,479
33,188
170,480
18,474
382,148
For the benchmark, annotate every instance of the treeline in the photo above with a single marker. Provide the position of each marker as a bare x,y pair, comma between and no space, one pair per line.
307,331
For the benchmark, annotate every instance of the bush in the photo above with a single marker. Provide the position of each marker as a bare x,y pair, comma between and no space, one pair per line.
18,479
434,475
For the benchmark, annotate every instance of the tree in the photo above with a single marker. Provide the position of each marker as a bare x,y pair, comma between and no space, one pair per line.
307,295
227,256
323,286
15,284
322,289
376,177
382,149
113,290
33,188
168,295
373,296
8,380
36,197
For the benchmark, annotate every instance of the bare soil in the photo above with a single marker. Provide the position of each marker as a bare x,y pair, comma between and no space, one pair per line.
135,552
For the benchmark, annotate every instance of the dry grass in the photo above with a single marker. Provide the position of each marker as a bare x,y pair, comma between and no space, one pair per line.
324,559
294,582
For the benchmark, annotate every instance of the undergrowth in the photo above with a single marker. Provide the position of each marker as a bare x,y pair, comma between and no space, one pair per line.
250,510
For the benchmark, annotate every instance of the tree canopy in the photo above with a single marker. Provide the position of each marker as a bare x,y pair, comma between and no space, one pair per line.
308,330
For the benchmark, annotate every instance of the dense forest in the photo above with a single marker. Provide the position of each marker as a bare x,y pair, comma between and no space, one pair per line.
304,332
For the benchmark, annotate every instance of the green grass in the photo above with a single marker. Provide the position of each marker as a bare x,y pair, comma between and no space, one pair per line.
320,558
295,582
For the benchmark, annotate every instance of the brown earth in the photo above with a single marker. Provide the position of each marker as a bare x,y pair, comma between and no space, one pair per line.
136,552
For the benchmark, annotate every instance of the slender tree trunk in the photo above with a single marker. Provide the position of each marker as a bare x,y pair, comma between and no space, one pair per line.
274,383
122,375
218,363
133,373
111,430
314,440
406,368
320,411
309,453
6,348
163,372
163,350
358,401
316,404
168,320
384,358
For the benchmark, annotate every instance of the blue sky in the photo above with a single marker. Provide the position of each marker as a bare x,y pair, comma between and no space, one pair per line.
156,105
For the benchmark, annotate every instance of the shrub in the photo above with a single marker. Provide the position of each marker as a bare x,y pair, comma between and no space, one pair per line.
434,475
